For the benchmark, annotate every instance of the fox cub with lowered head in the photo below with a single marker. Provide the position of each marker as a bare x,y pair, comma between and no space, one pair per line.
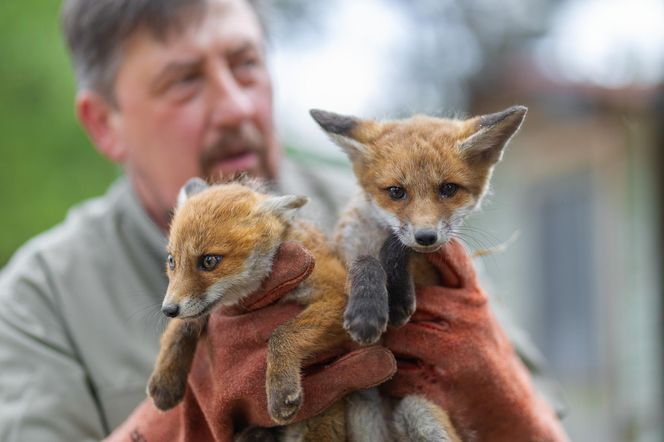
419,178
222,243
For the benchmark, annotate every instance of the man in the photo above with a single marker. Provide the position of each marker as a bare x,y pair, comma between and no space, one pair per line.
172,89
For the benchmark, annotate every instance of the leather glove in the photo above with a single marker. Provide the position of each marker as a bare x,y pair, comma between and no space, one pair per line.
454,352
226,384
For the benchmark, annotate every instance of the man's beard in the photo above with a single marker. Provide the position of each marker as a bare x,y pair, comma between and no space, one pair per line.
242,144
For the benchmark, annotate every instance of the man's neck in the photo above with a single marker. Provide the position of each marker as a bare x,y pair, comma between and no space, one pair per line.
158,211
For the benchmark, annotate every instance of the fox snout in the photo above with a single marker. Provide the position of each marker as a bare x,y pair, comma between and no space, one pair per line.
426,237
186,308
178,305
170,310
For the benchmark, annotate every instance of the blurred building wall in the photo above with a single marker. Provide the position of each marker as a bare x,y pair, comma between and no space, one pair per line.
579,183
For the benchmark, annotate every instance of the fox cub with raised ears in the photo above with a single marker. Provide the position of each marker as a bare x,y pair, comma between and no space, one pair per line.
419,178
222,243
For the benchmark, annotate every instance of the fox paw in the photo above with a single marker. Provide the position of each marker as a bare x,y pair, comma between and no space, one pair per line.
284,402
165,394
365,322
366,315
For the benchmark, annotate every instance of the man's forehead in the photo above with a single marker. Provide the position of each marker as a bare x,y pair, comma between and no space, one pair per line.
224,24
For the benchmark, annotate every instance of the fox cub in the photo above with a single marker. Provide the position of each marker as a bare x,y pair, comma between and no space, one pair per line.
222,242
419,178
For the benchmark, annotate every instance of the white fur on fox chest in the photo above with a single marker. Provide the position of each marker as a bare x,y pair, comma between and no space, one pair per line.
360,230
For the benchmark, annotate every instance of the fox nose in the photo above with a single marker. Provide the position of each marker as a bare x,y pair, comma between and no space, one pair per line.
170,310
426,237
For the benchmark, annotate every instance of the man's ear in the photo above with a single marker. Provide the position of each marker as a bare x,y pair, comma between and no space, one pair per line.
491,133
282,205
190,188
350,133
96,115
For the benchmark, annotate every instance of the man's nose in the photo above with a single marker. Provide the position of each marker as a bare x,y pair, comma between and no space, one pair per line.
231,102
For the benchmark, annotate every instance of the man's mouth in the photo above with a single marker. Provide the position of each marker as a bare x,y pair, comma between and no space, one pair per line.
230,164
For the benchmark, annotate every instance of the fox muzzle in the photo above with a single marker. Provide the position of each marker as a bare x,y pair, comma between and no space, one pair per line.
170,310
426,237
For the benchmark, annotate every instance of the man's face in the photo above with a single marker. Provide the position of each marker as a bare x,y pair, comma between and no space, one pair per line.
197,104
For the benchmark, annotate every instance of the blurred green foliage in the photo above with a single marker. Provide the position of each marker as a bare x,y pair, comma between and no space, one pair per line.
46,163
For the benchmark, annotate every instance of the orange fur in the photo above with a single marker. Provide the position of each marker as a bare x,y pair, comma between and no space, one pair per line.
419,154
244,228
403,167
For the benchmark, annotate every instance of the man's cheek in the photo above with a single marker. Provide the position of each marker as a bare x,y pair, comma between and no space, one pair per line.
264,109
189,166
185,150
181,125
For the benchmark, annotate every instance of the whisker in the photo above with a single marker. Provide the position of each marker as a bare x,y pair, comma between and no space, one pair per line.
151,317
481,238
145,310
487,253
485,235
476,245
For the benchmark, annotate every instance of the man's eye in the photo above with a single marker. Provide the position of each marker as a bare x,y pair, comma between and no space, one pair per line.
171,262
396,192
448,190
247,69
207,263
188,78
248,62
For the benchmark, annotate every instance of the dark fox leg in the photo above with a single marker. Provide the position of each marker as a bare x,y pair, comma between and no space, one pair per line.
168,381
394,258
366,314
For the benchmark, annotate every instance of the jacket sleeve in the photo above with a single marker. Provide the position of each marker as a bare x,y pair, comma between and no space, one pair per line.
45,394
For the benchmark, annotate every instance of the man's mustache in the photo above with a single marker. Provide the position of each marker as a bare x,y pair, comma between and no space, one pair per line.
231,143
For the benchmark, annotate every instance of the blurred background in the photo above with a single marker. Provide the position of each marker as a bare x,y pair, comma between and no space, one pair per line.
581,183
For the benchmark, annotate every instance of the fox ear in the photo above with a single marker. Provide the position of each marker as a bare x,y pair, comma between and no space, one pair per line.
190,188
346,131
493,132
282,205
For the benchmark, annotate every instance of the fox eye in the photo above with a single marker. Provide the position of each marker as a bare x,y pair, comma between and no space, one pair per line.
447,190
396,192
208,263
171,262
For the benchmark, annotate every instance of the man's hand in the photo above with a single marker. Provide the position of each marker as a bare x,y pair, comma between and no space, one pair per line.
226,386
454,352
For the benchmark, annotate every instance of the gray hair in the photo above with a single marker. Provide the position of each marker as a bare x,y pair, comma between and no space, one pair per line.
96,31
